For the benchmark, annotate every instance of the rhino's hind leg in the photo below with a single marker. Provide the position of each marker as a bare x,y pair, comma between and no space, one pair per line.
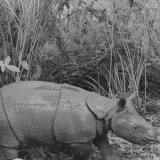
81,150
8,153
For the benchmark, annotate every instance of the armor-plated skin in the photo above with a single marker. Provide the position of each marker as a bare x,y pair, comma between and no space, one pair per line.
43,113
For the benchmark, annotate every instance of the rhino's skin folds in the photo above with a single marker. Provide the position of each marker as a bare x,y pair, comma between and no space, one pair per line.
28,113
43,113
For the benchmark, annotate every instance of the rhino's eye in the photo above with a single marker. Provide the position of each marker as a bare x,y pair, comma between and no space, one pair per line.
122,104
137,128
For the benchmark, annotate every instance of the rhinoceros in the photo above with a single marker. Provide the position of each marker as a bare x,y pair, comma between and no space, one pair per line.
38,113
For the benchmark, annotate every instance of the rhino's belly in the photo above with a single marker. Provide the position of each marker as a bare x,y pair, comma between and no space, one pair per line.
30,112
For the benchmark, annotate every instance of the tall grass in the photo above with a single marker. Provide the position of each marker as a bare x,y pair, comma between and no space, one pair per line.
85,33
25,19
25,32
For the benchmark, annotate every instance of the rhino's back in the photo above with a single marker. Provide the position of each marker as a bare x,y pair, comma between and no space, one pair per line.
30,108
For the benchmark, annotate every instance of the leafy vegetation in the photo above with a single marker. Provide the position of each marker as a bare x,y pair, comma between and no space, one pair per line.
106,46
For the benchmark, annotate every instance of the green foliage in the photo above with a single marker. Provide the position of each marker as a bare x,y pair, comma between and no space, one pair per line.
5,65
68,41
24,29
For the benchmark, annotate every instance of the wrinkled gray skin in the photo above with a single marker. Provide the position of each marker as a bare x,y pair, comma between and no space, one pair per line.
42,113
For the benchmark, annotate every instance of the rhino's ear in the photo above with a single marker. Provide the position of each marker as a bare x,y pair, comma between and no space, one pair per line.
132,96
100,105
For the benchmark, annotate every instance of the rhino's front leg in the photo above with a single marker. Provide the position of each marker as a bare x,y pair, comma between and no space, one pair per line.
8,153
102,143
81,150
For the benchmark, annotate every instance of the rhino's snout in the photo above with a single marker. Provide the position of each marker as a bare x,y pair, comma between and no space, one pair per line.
147,132
134,129
152,135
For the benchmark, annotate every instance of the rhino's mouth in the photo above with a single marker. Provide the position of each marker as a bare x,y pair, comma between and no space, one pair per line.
152,140
145,141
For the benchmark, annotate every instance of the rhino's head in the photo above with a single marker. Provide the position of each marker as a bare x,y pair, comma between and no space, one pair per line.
123,118
128,124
